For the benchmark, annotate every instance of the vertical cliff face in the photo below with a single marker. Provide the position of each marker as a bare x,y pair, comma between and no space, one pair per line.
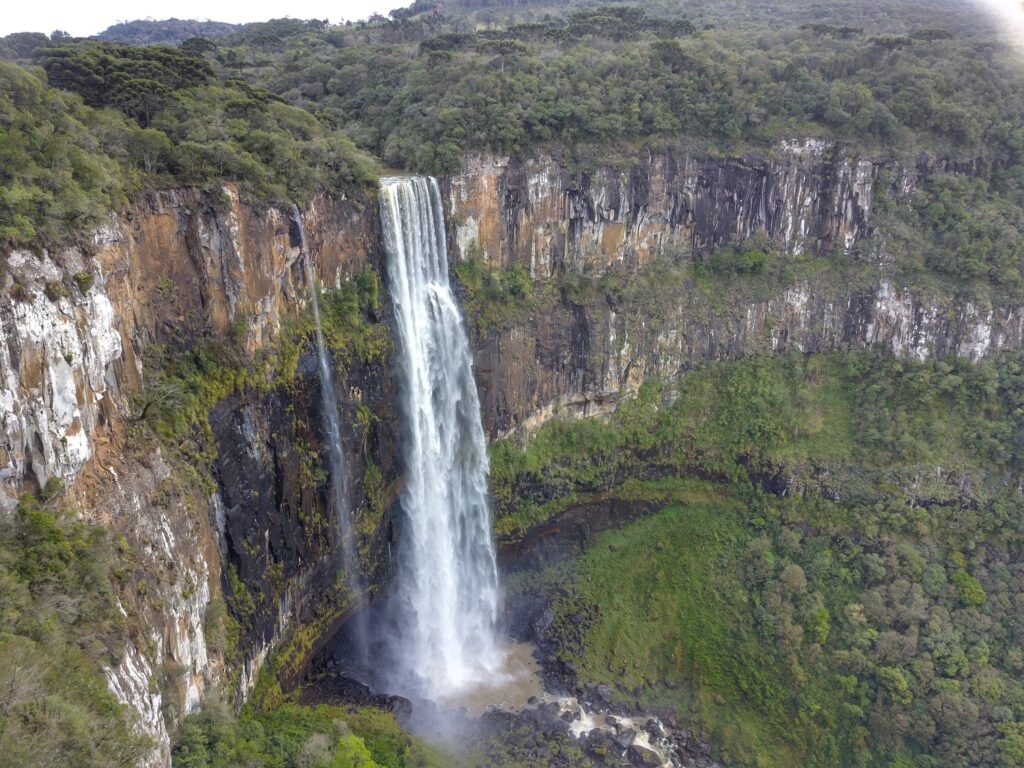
583,358
273,516
80,326
77,328
807,201
810,196
57,344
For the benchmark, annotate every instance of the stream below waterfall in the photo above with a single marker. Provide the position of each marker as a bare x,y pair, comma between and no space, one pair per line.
514,698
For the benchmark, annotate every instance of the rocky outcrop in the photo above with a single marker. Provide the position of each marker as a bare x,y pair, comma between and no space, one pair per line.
56,344
78,327
809,196
580,354
582,359
276,527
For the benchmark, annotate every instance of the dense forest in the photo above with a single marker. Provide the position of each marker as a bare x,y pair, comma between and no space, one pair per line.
843,623
288,108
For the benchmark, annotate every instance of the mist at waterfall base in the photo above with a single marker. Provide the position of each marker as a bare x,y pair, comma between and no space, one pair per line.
434,637
339,482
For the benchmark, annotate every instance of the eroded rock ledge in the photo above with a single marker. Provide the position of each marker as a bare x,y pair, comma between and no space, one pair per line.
808,200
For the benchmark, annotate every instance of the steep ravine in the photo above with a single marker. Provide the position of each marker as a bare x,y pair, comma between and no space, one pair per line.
78,326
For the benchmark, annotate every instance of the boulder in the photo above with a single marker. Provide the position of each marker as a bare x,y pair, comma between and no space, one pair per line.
645,757
655,728
625,738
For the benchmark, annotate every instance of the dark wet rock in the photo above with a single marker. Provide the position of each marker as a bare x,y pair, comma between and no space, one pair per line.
655,729
276,534
541,625
546,719
336,689
598,743
561,728
625,738
644,757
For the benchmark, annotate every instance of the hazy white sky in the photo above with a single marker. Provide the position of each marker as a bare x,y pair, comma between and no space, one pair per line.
87,17
1011,15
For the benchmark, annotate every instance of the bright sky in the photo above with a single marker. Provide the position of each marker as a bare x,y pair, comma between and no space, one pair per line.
1010,13
82,18
87,17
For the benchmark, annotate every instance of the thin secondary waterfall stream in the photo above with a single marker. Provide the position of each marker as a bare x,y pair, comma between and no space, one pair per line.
447,582
332,429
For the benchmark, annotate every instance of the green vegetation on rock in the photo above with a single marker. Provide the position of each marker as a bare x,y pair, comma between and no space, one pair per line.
183,384
842,591
59,623
496,298
874,421
292,736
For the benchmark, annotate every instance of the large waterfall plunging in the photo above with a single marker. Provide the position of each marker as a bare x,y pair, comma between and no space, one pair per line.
447,584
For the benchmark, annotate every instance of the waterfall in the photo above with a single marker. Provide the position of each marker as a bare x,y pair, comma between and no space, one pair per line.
447,582
332,436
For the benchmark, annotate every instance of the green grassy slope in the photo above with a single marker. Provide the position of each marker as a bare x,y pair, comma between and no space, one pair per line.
866,617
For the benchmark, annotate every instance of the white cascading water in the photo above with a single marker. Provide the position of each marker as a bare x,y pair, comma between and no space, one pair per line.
447,584
332,428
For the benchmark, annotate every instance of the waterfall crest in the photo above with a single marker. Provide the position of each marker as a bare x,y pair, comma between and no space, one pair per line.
447,584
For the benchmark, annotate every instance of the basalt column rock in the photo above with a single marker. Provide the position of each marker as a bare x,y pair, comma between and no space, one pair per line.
806,200
806,196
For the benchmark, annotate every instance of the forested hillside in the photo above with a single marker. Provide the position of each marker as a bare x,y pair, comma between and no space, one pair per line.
423,87
100,121
419,90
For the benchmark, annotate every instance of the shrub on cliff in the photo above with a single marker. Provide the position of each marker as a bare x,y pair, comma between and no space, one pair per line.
58,624
158,119
750,256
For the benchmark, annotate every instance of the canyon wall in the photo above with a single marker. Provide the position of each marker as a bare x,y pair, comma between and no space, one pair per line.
84,330
808,196
580,352
81,331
